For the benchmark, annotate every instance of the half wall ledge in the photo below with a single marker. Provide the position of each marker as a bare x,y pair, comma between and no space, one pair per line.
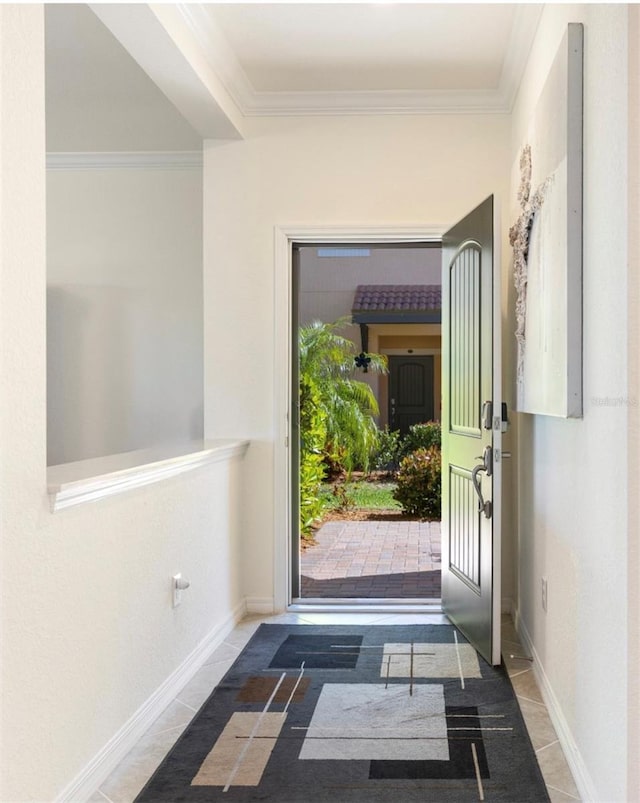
84,481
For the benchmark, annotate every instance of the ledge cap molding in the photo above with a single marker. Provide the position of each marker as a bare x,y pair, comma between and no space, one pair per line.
73,484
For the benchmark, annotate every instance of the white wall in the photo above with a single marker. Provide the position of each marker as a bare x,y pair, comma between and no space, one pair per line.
124,310
573,484
88,630
346,170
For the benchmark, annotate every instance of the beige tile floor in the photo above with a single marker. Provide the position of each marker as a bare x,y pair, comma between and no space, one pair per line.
126,781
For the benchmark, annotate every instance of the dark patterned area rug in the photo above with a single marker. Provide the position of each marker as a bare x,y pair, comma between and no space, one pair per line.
336,714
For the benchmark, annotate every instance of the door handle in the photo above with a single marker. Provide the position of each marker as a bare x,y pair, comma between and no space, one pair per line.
484,506
487,460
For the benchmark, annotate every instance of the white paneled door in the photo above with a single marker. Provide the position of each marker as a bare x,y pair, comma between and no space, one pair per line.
471,430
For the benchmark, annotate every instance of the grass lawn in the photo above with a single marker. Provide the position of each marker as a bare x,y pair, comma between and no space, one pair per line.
362,494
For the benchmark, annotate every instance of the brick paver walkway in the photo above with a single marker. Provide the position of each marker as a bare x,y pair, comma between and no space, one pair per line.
373,559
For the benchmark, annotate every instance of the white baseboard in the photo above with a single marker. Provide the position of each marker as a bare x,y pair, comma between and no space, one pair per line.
85,784
506,605
260,605
570,749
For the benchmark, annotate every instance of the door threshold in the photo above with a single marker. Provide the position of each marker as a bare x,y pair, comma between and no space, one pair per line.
383,605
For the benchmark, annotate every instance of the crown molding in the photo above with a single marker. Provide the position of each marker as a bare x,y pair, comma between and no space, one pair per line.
224,62
125,160
387,102
354,233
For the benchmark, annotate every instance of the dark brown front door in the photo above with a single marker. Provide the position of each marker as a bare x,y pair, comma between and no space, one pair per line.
410,391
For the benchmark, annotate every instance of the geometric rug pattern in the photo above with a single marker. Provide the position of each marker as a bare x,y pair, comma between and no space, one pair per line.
336,714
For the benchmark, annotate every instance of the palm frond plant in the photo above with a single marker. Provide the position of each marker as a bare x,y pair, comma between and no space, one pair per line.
346,405
327,362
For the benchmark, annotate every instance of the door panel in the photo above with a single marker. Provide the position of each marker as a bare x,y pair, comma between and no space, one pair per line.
410,391
470,433
465,342
464,532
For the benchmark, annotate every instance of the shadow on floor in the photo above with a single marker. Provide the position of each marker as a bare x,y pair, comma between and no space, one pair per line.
375,586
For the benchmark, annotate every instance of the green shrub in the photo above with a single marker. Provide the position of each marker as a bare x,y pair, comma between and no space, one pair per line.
419,483
422,436
387,453
313,433
311,504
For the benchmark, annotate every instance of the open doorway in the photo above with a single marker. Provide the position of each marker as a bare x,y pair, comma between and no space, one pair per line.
357,537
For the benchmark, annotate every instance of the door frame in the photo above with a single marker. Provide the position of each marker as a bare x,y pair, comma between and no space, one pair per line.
284,238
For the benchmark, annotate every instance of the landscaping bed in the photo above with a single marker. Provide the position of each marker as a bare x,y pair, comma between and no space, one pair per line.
365,497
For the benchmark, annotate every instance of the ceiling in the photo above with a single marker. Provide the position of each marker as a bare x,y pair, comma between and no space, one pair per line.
283,58
286,59
314,48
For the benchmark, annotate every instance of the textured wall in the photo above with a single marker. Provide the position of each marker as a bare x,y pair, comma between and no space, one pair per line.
124,310
324,171
88,630
573,483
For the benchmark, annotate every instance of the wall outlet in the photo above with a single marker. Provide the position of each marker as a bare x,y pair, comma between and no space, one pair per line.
544,594
178,585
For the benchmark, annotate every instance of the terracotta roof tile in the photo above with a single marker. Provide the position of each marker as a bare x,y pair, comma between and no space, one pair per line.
397,297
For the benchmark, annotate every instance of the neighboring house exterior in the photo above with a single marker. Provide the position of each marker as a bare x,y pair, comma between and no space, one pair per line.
91,646
403,322
393,298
